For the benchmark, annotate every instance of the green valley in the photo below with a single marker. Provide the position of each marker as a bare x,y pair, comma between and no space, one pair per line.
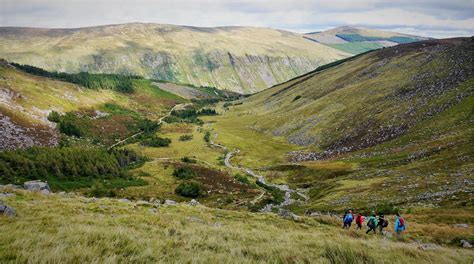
151,143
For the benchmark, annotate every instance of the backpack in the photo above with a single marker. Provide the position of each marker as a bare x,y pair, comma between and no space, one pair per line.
385,223
349,218
371,223
359,220
401,222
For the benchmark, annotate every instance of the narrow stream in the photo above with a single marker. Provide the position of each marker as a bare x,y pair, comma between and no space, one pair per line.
261,179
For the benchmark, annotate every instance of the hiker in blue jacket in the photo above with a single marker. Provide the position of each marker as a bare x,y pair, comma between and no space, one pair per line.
400,226
347,219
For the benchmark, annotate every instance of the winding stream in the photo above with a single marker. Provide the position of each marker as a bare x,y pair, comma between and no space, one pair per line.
261,179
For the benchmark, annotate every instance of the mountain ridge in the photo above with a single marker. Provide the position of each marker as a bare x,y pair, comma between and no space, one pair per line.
241,59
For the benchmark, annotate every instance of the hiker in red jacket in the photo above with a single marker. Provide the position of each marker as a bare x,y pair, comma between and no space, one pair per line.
359,221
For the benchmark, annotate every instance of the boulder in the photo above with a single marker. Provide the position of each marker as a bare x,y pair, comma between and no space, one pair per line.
461,226
267,208
170,202
124,200
428,246
152,210
7,210
288,215
37,186
465,244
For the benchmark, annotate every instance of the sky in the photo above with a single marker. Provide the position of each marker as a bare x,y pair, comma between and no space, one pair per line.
433,18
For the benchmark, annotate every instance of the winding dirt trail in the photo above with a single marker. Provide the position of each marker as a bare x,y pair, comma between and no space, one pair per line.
160,121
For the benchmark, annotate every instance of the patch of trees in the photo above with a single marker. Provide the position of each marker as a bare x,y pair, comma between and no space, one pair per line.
184,173
191,189
119,83
183,116
189,115
65,164
207,112
185,137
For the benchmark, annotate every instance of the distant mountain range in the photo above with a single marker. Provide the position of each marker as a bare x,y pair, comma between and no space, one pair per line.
355,40
240,59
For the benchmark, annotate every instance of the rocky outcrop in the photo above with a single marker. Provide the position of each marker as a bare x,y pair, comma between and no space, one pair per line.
6,210
37,186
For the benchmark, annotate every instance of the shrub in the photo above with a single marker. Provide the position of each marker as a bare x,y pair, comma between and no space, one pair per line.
184,173
54,117
156,142
191,189
148,126
296,98
185,137
68,125
241,178
188,160
207,136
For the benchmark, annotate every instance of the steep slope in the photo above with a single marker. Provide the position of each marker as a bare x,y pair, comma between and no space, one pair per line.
26,100
356,40
240,59
400,119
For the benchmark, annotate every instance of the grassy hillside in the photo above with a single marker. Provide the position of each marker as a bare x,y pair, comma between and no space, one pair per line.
240,59
104,114
355,40
70,229
389,128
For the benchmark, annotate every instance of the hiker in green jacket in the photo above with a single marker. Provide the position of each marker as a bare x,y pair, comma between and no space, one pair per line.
372,223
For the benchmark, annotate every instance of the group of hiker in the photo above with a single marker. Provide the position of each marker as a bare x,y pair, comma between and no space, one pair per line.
373,222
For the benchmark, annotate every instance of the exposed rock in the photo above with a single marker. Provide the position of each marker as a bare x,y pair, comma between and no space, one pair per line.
461,226
193,202
170,202
267,208
428,246
465,244
37,186
124,200
153,210
6,195
157,203
287,214
7,211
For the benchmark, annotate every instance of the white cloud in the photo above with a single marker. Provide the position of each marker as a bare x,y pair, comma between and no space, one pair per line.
436,18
